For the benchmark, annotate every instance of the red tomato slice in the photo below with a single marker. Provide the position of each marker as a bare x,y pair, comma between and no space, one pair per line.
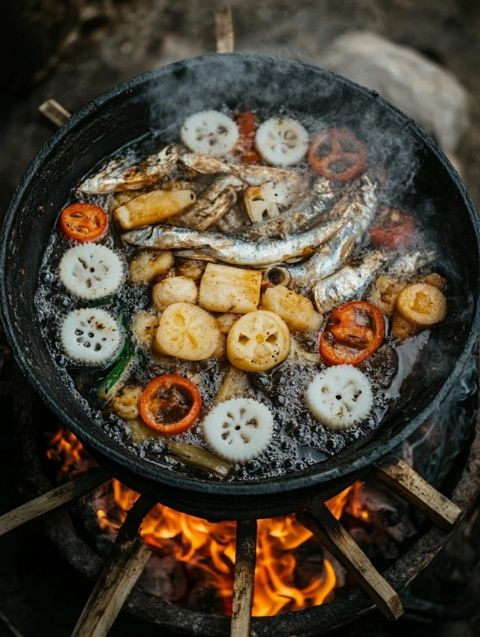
83,222
337,154
247,125
353,333
170,404
394,229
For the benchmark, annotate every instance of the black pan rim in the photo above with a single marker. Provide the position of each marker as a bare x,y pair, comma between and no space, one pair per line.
137,465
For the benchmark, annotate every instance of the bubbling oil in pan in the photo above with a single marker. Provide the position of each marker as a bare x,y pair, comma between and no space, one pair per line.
299,441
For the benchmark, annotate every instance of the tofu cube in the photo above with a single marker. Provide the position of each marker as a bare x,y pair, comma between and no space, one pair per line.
296,310
227,289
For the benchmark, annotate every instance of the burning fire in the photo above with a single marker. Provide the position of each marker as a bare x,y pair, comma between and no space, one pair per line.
67,452
210,547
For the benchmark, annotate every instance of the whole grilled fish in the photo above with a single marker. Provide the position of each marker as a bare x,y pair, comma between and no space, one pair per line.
119,175
359,204
411,262
297,218
349,282
250,174
230,249
212,205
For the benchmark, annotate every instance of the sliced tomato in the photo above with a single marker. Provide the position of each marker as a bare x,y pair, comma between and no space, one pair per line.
170,404
353,333
337,154
83,222
244,149
251,157
394,229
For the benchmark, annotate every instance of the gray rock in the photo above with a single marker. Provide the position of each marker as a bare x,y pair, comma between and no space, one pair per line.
425,91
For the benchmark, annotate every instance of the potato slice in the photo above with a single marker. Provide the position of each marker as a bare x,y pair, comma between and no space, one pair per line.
174,289
403,329
435,279
227,289
187,332
148,264
258,341
385,292
125,403
153,207
234,384
144,325
422,304
190,268
140,432
225,322
221,349
296,310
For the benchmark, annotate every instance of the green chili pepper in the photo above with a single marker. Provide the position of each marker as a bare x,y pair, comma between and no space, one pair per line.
117,376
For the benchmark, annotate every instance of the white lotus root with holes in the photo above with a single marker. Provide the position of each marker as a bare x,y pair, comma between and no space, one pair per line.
340,397
262,202
258,341
239,429
90,336
90,271
209,133
281,141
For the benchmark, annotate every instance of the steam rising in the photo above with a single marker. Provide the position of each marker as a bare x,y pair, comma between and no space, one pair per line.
396,157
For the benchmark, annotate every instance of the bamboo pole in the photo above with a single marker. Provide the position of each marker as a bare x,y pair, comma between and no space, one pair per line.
331,534
224,30
123,567
401,478
53,499
54,112
246,544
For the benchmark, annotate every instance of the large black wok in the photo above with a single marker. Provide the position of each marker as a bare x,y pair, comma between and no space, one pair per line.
159,100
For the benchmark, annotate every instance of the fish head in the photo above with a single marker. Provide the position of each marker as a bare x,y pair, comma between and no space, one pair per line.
168,154
140,237
203,164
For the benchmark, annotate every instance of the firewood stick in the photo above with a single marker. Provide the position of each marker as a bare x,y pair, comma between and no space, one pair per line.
405,481
10,627
224,30
54,112
123,567
53,499
331,534
246,544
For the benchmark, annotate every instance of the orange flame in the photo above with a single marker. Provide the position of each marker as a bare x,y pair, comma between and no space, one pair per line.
356,508
68,453
211,546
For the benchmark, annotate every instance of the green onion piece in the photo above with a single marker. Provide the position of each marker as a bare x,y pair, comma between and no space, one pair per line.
118,375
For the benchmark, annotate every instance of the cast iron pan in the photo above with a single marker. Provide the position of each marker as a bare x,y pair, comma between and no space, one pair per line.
159,100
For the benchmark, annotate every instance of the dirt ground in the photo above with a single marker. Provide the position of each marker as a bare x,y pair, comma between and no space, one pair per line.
74,50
